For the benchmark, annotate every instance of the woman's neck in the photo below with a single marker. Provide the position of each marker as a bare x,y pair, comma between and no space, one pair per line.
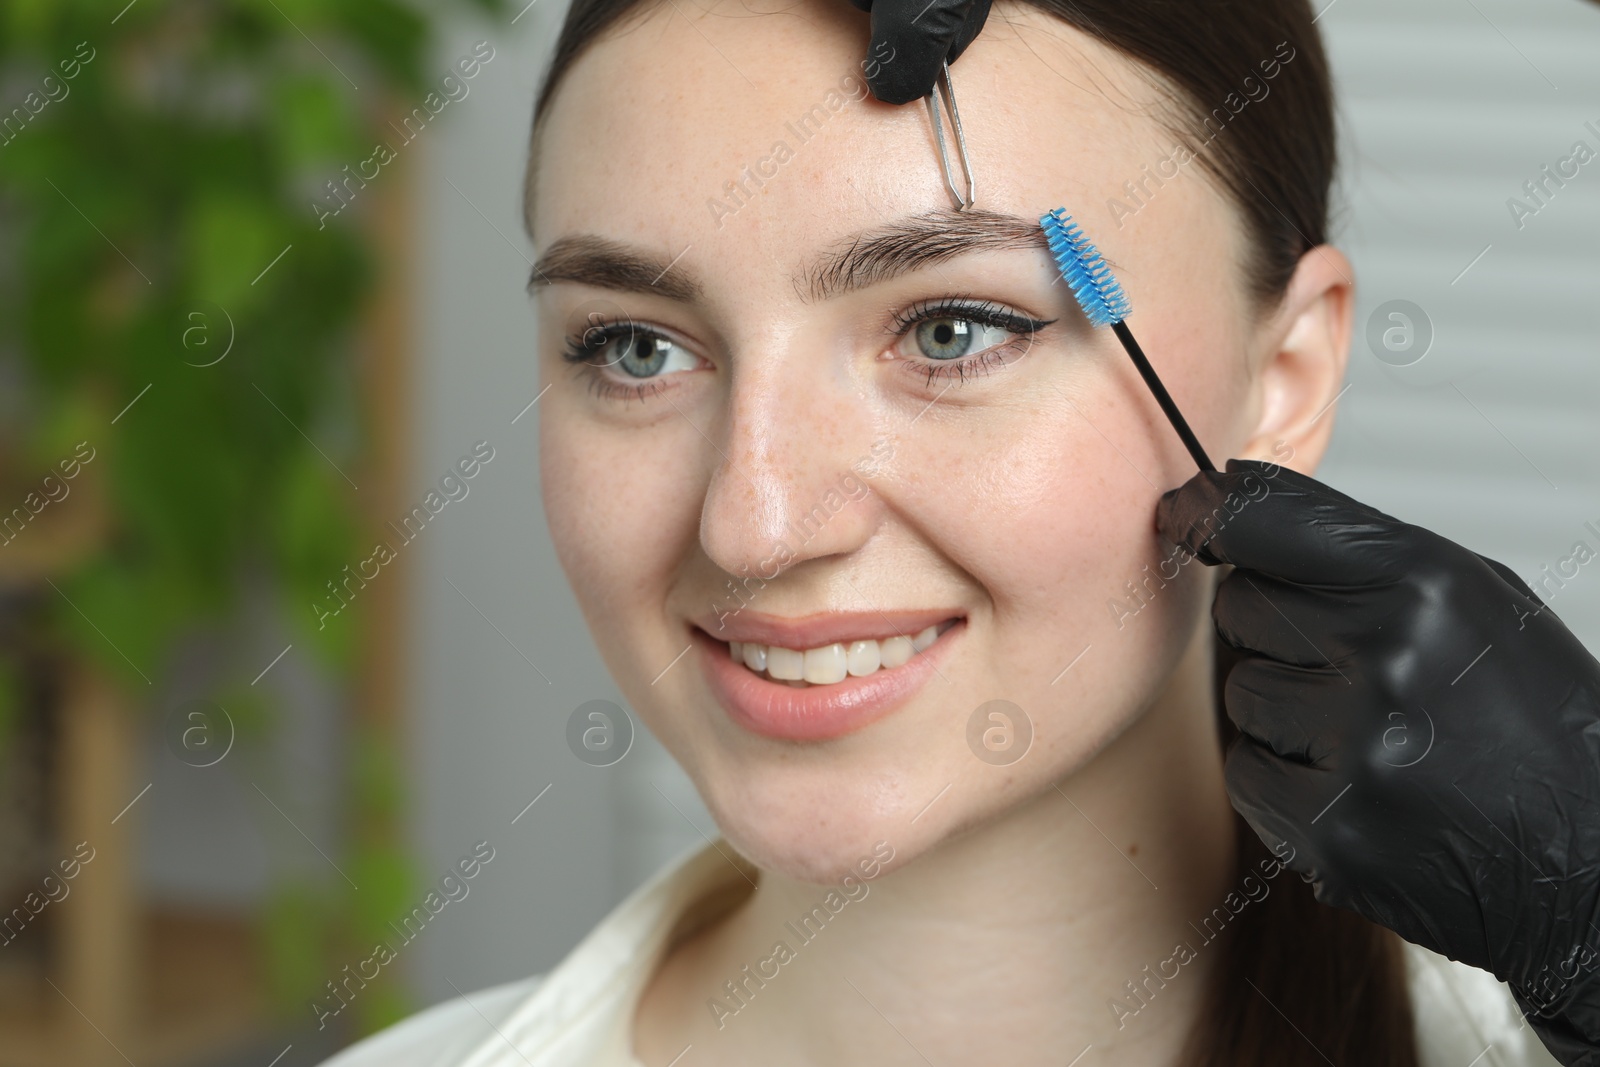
1008,944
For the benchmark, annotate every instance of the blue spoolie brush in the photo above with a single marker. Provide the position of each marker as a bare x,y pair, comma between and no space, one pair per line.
1105,304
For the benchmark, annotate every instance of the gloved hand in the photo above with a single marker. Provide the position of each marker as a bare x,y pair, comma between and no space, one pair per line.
920,35
1417,727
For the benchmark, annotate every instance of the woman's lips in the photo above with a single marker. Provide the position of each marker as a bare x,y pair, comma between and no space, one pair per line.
815,712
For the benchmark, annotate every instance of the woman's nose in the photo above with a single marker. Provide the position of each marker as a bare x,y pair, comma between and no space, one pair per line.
797,452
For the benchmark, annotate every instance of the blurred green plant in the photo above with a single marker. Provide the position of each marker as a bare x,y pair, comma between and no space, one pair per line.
167,295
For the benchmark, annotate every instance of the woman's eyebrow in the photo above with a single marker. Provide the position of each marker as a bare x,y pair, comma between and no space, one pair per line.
870,257
591,260
914,242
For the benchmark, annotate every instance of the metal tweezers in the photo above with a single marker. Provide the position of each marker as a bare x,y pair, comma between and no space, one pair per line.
949,96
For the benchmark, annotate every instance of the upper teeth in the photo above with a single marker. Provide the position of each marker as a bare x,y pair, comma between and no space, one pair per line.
831,663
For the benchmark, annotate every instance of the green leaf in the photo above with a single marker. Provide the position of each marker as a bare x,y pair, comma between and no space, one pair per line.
293,931
312,121
315,539
384,875
379,779
392,33
121,620
27,20
68,421
180,497
230,240
251,711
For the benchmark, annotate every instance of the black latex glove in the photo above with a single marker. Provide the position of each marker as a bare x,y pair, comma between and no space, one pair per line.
1417,727
911,38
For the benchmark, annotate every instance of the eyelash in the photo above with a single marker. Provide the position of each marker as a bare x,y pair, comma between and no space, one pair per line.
580,352
581,348
983,312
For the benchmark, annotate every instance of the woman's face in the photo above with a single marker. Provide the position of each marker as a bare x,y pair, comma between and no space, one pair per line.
840,414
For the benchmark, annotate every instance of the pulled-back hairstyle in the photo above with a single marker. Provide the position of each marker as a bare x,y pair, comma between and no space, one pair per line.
1295,983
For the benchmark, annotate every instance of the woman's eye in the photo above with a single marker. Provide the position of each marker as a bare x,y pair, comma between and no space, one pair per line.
641,355
950,337
957,339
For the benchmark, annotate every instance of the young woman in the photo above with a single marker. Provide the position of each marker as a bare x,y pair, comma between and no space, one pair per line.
861,514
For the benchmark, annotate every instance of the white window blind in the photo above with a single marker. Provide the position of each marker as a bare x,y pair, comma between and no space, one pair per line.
1448,107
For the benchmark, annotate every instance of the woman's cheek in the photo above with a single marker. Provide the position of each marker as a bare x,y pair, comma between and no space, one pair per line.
1028,497
567,507
623,507
1055,525
597,540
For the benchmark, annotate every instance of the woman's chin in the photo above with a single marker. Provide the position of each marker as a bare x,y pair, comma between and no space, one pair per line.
812,844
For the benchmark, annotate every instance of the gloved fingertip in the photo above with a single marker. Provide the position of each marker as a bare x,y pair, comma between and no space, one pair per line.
904,81
1164,507
970,27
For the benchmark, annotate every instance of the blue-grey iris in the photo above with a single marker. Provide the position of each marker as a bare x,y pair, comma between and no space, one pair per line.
640,355
944,338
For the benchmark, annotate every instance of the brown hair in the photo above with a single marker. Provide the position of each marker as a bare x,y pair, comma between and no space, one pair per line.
1336,982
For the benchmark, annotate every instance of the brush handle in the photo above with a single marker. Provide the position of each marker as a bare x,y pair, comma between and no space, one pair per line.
1163,398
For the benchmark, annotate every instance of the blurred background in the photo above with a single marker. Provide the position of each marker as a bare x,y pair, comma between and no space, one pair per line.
262,309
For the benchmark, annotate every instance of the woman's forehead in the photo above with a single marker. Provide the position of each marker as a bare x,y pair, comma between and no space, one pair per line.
751,138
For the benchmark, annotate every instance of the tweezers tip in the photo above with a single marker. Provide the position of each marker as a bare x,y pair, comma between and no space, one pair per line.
964,201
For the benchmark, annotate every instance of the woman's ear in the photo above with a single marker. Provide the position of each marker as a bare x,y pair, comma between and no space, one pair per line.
1304,347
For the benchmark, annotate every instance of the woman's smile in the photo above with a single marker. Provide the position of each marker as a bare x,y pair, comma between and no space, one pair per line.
827,675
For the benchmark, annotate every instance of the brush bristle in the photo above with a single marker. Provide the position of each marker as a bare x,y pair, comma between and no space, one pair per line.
1081,265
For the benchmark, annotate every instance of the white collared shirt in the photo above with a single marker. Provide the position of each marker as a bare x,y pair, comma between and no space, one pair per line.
581,1013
